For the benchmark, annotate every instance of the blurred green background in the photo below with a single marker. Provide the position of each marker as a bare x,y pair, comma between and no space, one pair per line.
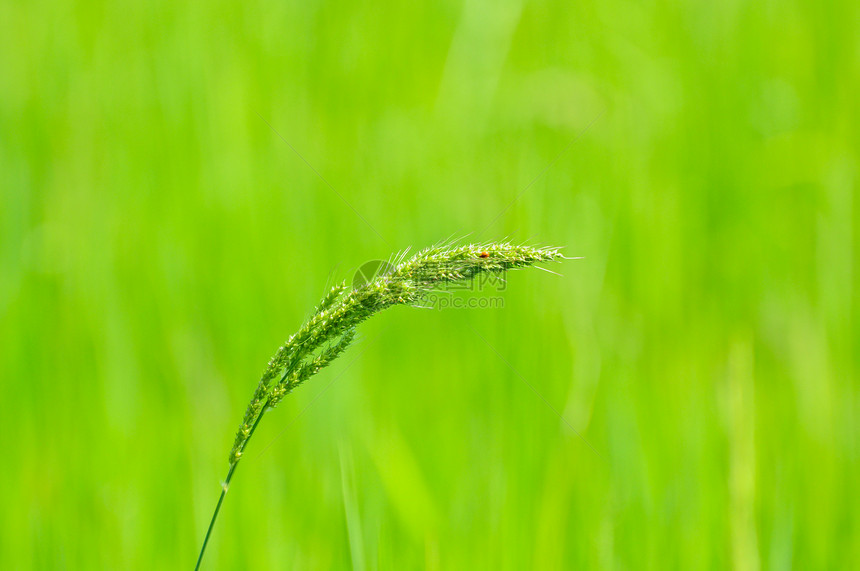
158,241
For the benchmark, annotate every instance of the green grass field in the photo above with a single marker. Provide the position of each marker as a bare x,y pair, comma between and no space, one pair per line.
685,397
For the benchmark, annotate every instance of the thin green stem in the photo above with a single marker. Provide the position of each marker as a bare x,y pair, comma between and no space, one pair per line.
224,487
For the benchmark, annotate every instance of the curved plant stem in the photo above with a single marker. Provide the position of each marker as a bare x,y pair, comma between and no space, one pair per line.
224,487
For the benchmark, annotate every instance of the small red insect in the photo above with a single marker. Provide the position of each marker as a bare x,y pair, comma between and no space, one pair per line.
484,255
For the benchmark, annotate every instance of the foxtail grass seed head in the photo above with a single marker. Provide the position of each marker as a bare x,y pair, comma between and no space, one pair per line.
330,330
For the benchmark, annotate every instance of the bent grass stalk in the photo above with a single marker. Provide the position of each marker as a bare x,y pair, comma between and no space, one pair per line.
330,330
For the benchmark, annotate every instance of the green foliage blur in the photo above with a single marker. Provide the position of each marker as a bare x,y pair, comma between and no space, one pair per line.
180,180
